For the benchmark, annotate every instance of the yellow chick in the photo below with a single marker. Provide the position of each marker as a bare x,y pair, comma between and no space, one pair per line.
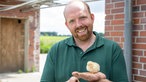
93,67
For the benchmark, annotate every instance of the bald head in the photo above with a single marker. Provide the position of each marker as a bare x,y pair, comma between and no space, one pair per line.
76,4
79,20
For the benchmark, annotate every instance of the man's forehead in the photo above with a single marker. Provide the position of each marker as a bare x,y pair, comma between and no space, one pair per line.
75,5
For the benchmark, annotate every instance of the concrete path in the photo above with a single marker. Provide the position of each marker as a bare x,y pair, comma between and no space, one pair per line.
24,77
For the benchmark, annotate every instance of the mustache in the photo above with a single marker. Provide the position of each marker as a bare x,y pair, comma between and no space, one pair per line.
80,27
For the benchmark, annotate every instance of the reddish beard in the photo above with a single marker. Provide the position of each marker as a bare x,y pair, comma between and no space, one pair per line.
82,37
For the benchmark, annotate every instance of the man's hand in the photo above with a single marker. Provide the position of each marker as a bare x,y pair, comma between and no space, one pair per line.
91,77
73,79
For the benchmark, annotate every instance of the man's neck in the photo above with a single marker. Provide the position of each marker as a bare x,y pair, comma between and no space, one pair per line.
84,45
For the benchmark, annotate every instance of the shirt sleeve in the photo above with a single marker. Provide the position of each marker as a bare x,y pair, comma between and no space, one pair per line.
119,73
48,72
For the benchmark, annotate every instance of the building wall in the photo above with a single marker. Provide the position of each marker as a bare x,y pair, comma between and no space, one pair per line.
114,30
32,19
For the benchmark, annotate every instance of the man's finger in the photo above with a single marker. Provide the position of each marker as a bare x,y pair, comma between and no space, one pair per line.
73,79
104,80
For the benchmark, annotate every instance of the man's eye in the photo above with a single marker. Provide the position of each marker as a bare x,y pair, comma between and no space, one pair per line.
71,21
83,17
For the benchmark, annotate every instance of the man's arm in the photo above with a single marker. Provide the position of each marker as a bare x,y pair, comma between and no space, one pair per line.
48,72
118,72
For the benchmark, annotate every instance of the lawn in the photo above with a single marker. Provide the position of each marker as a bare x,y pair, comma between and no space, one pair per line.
46,42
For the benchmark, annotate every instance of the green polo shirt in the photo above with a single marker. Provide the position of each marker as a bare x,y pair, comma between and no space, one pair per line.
65,57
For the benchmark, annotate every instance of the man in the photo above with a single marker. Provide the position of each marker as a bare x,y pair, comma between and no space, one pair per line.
67,59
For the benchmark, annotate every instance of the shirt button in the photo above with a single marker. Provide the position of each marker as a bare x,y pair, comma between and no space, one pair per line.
80,52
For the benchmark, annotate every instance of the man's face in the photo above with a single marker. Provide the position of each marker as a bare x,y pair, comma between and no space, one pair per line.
79,21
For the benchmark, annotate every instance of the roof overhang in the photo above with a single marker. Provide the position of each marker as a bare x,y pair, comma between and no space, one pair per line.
28,5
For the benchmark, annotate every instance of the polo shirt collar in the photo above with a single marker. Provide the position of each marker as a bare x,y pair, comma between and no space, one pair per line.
70,41
99,41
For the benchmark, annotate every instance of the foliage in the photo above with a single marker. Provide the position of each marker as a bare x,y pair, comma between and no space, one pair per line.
20,71
33,69
49,33
46,42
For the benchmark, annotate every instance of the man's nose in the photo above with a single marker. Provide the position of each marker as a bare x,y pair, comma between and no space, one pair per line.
78,23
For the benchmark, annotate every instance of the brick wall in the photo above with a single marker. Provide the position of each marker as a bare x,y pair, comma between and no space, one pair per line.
33,23
114,30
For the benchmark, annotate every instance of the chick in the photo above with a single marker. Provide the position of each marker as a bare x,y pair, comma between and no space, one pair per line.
92,67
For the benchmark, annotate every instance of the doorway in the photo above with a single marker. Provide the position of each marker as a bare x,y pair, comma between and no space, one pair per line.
11,45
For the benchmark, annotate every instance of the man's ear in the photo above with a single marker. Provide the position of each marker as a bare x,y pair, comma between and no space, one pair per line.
92,16
66,24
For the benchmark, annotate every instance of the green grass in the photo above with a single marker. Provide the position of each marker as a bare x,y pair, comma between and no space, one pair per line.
46,42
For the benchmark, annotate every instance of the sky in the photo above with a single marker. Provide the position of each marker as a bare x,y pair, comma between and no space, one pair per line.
52,19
